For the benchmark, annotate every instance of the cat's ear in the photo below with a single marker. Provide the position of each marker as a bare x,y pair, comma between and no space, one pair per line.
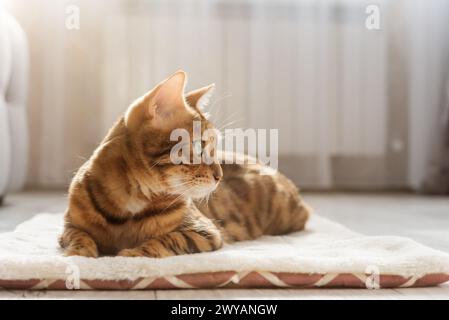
161,104
200,98
169,97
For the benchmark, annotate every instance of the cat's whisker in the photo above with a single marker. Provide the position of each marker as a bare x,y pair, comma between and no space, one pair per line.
227,125
206,201
155,164
178,197
217,117
180,185
230,116
214,104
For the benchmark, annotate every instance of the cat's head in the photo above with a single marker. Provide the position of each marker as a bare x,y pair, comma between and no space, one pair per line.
151,122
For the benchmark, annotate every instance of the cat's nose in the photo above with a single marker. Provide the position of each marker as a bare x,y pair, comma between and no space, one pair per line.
217,172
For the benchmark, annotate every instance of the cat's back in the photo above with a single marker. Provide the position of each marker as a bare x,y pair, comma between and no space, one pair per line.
253,199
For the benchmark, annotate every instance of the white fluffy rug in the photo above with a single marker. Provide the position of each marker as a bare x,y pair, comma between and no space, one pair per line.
31,252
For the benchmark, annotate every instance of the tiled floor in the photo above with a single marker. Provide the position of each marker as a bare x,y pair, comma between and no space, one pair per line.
424,219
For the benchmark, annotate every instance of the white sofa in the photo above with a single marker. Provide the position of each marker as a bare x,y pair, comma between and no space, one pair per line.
13,93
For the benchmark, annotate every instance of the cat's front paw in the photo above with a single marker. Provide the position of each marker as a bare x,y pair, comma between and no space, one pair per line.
147,251
130,253
91,252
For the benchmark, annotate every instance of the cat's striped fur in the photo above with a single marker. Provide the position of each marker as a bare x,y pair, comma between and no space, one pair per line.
249,203
129,199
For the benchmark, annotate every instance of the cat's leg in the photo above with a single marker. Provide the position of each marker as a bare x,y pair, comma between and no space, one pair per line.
76,242
198,235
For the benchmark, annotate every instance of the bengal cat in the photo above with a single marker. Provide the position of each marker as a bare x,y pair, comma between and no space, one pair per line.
130,199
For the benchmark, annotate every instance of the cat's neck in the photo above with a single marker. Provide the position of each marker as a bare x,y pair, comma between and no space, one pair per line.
157,203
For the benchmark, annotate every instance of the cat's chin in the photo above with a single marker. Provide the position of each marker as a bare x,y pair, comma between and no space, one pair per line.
201,192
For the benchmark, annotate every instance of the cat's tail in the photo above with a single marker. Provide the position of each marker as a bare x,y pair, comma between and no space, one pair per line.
300,214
